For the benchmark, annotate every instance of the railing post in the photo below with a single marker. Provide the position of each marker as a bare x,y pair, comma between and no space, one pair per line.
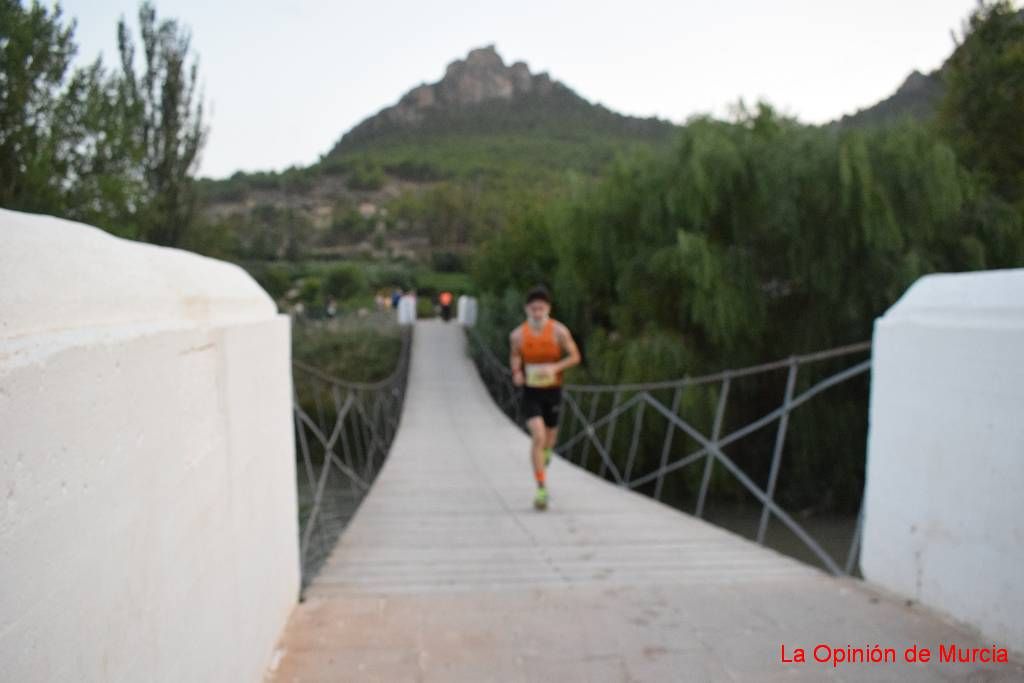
304,446
321,421
851,556
589,427
710,458
670,431
346,448
345,455
780,440
575,419
610,434
638,425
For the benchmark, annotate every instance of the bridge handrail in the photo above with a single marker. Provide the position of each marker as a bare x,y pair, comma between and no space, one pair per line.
585,425
799,359
349,434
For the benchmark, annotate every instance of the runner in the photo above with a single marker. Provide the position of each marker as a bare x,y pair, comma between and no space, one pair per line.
446,305
538,359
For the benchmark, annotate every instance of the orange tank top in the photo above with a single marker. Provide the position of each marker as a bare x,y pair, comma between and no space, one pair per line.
541,347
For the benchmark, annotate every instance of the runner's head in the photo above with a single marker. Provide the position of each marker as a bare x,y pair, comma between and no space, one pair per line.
538,303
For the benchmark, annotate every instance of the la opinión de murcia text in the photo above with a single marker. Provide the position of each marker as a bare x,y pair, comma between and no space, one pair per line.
947,653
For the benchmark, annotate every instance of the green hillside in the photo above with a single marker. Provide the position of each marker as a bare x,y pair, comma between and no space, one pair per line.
445,167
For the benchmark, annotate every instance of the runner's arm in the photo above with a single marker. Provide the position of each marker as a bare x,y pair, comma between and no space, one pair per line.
569,346
515,359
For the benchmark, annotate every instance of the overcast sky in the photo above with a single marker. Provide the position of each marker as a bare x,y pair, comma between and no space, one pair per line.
284,79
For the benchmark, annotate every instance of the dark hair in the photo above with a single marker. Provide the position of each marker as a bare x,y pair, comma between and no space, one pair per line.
540,292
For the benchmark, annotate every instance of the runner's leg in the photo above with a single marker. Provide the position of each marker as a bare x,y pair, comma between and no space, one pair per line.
550,415
538,439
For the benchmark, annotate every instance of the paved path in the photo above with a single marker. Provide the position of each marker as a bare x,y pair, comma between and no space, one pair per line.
447,573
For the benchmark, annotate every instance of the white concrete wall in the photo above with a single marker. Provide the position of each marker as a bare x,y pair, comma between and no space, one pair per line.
944,503
148,523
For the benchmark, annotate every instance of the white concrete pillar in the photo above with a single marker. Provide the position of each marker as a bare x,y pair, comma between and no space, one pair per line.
148,518
407,310
944,521
467,311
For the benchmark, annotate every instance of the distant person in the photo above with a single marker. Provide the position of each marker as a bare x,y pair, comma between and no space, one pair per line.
446,305
541,349
395,296
332,307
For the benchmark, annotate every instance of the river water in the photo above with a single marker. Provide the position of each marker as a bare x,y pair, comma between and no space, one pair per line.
833,533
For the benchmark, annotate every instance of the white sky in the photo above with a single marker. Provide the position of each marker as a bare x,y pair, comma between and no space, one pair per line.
284,79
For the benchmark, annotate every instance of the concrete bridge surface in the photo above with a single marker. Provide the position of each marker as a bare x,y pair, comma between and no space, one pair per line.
447,573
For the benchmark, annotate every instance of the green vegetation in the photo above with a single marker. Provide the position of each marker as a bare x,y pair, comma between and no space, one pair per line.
238,186
455,178
366,176
982,112
353,284
530,159
424,308
344,282
355,349
116,149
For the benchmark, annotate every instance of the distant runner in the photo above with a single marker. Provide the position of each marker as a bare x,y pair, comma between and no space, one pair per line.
446,305
538,359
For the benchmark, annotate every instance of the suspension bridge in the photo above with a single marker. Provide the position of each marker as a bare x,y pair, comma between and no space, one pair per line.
446,572
153,428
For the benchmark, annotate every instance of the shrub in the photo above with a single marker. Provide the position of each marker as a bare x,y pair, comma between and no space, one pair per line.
447,262
424,307
344,282
309,292
367,177
275,280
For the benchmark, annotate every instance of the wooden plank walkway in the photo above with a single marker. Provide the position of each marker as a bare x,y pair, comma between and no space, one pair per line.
447,573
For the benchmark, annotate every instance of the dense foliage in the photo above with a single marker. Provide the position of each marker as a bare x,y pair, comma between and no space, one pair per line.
114,148
758,238
983,110
352,349
455,178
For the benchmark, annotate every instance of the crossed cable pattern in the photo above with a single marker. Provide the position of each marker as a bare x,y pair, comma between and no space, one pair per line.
585,417
343,432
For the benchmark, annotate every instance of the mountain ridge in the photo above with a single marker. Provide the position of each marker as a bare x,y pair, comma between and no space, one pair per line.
481,94
918,97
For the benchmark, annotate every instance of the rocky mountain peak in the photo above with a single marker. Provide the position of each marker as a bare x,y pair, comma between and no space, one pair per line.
482,75
480,58
479,95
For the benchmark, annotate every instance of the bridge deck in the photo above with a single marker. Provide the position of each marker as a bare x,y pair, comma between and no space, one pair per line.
447,573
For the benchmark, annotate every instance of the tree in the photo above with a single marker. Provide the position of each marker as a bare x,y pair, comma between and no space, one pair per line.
983,111
61,133
36,51
166,110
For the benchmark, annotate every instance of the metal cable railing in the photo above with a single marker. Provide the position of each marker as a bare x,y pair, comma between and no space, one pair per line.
343,433
590,423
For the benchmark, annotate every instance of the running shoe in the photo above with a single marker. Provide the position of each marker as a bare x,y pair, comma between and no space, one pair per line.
540,501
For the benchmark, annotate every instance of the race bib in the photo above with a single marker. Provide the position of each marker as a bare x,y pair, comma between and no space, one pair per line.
536,377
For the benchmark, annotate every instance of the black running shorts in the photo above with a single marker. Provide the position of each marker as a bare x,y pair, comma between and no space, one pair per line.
545,403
